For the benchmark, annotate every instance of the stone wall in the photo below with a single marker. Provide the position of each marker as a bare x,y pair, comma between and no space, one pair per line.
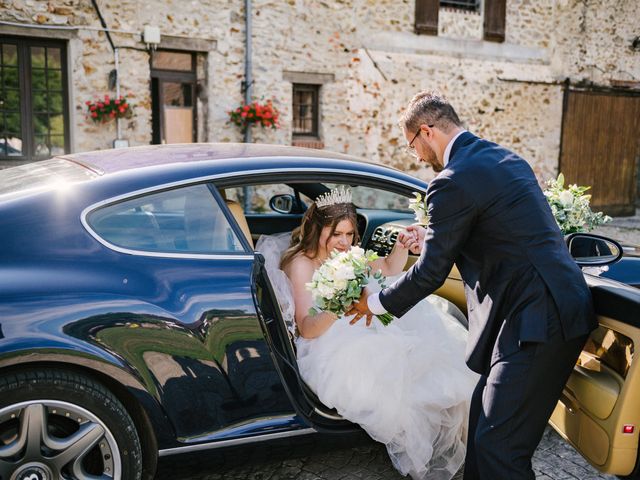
510,93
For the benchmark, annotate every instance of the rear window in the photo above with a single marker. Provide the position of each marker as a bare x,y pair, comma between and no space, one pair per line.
20,180
183,220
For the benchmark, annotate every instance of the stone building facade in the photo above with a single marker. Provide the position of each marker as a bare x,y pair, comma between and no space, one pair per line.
364,56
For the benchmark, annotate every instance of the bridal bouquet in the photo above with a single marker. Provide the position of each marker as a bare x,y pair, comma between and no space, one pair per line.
570,207
340,279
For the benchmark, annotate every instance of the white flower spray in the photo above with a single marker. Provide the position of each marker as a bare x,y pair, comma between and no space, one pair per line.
339,281
570,207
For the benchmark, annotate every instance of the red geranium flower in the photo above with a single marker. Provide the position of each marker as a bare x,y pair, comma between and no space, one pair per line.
263,114
102,111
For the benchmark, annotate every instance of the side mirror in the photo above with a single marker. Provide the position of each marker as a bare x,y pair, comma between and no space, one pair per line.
590,250
282,203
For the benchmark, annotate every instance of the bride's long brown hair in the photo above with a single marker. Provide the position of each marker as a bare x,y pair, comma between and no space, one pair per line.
306,238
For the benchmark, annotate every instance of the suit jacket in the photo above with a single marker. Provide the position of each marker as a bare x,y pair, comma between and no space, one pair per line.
488,214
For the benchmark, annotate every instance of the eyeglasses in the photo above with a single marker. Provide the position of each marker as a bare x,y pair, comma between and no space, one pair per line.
410,147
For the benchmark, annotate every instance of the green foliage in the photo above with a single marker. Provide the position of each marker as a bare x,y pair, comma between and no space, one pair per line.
102,111
570,207
255,113
339,281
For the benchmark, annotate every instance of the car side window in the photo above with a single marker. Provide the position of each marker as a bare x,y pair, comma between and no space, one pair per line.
183,220
258,196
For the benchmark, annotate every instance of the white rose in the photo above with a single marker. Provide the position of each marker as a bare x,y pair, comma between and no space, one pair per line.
328,271
325,291
357,251
340,284
566,198
345,272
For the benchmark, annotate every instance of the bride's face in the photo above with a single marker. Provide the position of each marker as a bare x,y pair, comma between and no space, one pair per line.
341,239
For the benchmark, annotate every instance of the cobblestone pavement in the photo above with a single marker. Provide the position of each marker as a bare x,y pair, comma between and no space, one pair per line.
554,459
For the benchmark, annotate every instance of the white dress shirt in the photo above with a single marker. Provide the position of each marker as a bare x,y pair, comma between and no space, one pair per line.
373,300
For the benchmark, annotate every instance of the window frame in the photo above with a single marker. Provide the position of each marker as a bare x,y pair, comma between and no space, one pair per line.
159,76
25,86
315,125
462,5
86,220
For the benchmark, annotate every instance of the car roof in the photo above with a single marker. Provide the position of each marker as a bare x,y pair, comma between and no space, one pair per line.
109,173
117,160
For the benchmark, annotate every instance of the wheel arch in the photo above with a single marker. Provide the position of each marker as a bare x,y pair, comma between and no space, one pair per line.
145,412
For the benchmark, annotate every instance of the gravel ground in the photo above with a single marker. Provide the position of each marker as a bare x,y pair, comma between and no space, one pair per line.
623,229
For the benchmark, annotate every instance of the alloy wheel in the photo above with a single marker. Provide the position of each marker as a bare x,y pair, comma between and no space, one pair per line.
49,439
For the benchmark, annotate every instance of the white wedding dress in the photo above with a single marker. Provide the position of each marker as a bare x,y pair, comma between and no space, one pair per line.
406,384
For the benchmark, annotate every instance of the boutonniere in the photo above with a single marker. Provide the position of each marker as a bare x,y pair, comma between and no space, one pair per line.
419,209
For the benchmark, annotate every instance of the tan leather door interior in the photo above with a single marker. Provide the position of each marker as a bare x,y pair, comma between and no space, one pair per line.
598,412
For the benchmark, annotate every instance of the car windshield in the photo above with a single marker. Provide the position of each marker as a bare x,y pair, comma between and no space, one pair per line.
54,173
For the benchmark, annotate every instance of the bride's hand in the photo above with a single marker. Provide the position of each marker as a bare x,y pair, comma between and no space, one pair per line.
361,309
412,238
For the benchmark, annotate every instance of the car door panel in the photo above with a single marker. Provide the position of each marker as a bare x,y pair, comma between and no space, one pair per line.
282,348
197,341
194,337
603,393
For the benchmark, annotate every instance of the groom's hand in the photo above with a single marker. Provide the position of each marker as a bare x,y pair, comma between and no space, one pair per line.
361,309
412,238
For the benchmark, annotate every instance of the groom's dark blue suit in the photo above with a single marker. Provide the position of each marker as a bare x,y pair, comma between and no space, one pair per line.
529,307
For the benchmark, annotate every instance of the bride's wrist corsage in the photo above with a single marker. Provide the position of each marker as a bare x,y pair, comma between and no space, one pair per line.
339,281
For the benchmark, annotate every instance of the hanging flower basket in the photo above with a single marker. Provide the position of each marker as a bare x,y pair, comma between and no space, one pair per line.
255,113
101,111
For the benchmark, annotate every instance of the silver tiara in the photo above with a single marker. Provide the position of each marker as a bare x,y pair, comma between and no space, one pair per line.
337,195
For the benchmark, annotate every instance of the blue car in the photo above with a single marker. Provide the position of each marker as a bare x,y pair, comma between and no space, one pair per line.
137,320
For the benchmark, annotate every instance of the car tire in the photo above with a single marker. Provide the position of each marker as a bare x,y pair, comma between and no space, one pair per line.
60,424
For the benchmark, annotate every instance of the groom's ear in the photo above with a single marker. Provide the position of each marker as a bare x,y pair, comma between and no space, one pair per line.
426,129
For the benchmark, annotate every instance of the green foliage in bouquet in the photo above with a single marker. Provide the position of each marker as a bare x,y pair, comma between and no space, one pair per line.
570,207
339,281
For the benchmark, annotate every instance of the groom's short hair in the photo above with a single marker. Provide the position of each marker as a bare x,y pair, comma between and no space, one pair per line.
431,108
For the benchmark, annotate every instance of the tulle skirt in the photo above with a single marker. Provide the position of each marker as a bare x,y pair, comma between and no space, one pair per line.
406,384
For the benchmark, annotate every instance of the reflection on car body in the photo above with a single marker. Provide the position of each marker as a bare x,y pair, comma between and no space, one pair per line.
132,299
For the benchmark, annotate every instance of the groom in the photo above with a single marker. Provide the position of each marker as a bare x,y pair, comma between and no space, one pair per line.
530,310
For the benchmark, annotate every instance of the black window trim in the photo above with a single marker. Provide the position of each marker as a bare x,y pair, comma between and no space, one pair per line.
179,76
26,109
315,128
463,5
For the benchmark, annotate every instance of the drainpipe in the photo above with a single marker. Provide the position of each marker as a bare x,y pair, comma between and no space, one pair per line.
117,142
248,86
117,60
248,65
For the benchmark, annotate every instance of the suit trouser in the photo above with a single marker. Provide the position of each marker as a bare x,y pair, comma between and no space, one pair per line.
511,406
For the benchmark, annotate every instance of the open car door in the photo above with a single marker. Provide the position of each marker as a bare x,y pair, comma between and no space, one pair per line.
598,412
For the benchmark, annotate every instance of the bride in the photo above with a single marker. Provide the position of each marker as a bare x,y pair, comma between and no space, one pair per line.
406,384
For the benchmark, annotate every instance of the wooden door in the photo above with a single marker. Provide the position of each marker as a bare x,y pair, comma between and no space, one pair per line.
600,147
